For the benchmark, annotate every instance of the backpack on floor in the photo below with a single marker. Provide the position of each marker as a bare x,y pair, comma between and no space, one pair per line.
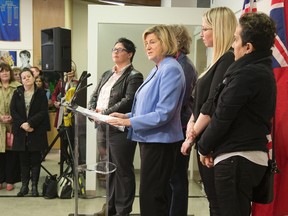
65,184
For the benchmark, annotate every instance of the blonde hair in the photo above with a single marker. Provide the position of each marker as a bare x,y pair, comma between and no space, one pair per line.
223,22
166,37
184,40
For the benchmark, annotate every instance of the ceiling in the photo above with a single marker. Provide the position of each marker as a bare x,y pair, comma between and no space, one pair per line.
126,2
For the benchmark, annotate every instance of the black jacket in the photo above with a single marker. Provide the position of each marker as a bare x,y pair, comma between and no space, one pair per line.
206,85
245,107
38,118
122,92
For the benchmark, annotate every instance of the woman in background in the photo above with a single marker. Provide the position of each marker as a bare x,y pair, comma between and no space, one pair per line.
40,83
16,72
179,181
60,90
29,110
9,163
218,27
36,71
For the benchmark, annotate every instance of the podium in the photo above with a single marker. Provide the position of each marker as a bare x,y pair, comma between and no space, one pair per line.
103,168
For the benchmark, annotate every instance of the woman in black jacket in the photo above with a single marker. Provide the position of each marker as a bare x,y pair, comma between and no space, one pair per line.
29,110
115,93
215,21
235,140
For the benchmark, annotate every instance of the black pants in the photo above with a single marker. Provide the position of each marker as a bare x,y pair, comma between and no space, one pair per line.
122,183
9,167
30,158
235,178
207,177
157,164
179,184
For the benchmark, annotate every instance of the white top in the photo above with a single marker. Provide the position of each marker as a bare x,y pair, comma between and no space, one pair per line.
104,95
258,157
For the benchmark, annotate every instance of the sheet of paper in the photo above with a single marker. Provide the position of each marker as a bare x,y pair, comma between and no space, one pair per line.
96,116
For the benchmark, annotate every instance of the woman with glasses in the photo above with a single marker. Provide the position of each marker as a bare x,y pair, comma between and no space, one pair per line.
155,120
235,141
218,27
115,93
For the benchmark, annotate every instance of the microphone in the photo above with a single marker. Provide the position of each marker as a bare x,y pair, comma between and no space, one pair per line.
85,77
82,78
72,103
82,88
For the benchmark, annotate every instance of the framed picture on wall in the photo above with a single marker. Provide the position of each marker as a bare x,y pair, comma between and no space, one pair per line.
9,57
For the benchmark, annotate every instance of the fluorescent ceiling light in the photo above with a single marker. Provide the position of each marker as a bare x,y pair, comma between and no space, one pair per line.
111,2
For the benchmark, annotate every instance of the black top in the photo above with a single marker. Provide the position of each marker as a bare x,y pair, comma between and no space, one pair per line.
245,108
122,92
206,85
38,119
190,79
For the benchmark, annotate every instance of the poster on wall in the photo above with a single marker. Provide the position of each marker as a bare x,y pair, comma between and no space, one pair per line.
25,59
19,58
10,20
10,57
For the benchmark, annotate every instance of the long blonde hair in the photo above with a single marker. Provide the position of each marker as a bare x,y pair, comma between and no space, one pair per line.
223,22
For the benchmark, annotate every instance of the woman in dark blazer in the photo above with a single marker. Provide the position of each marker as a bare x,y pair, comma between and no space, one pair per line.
29,110
115,93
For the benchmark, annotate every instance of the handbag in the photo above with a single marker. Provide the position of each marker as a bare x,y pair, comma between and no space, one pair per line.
264,192
49,189
9,139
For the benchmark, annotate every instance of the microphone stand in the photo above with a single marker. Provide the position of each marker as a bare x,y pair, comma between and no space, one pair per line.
72,106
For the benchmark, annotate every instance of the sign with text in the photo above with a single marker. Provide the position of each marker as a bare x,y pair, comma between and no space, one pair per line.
10,20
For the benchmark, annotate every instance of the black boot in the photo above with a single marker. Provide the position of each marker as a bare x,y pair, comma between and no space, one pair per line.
35,172
25,177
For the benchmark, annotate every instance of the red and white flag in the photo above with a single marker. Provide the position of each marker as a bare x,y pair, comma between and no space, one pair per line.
249,6
279,13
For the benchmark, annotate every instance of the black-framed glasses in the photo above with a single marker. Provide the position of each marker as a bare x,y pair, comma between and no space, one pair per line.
119,50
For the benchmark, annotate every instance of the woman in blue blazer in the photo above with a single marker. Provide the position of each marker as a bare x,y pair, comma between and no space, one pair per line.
155,120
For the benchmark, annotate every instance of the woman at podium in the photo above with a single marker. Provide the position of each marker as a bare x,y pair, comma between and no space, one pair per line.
115,93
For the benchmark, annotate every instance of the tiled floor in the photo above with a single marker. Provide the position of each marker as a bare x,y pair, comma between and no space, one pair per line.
10,205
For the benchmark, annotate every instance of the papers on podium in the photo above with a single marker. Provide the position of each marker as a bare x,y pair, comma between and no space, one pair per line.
96,116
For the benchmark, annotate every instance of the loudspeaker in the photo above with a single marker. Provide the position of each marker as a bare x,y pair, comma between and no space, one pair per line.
56,49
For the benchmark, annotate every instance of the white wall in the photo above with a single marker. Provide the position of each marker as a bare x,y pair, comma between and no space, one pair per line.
104,29
236,5
79,36
26,31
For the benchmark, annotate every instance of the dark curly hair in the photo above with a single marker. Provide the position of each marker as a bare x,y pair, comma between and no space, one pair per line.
128,45
258,29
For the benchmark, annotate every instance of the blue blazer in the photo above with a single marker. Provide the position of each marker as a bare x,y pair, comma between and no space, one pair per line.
155,114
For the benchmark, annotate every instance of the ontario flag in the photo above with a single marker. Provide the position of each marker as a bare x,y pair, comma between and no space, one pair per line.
249,6
279,207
